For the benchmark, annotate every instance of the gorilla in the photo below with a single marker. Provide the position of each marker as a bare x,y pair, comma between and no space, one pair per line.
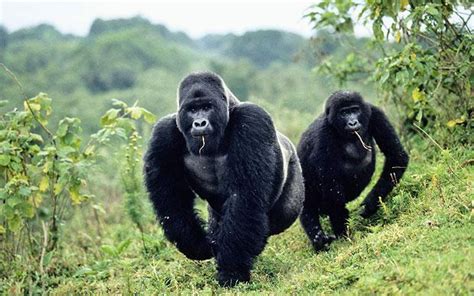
229,154
338,162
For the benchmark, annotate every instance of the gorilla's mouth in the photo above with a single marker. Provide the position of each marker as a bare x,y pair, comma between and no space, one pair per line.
198,134
354,129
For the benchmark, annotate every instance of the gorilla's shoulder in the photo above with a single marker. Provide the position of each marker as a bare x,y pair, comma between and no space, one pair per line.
377,118
316,130
252,114
165,125
166,135
376,111
252,122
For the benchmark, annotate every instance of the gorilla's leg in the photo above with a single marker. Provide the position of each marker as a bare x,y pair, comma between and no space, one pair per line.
311,224
213,228
288,207
338,218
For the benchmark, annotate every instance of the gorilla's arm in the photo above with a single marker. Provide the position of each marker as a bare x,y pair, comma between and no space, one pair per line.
250,183
310,220
396,160
172,199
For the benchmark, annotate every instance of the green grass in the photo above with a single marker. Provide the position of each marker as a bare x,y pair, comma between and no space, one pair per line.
420,242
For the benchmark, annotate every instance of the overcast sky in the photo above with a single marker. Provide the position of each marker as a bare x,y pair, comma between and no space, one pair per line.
196,18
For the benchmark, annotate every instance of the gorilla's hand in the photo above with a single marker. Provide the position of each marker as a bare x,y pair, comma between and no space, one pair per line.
199,250
232,278
369,206
322,241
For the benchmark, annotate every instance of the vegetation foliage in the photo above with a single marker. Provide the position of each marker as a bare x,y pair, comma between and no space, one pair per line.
422,61
74,217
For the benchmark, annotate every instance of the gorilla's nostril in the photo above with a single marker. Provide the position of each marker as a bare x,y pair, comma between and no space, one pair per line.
200,123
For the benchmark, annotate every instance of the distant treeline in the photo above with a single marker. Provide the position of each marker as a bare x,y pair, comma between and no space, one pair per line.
134,59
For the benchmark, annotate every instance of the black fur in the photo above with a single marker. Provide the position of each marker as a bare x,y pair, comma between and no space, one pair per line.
337,168
248,172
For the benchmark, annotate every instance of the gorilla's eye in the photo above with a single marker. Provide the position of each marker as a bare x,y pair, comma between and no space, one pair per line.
193,110
349,110
206,108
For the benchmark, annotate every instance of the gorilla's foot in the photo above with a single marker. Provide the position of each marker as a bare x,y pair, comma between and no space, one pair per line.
368,209
232,278
321,241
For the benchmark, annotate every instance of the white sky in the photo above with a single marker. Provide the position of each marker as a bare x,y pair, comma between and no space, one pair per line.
195,18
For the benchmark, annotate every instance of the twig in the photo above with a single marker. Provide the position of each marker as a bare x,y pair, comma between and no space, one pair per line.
442,149
203,144
366,147
467,162
45,245
429,137
22,90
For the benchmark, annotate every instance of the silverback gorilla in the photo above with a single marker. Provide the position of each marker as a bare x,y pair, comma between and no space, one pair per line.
229,154
338,162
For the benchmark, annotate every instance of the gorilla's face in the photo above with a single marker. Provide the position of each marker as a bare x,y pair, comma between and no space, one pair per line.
348,115
202,118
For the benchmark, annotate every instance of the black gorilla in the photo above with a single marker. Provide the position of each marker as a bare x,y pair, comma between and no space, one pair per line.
338,162
229,154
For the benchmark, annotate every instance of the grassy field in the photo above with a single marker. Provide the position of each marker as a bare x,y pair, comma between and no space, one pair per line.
421,241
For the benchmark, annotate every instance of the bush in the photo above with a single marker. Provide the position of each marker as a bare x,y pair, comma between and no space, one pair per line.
44,172
424,58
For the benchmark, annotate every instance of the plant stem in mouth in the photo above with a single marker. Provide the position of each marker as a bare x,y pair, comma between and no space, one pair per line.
366,147
203,144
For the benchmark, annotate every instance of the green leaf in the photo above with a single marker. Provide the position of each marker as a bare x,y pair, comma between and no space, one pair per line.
14,223
4,160
62,129
109,250
417,95
84,271
419,116
47,259
24,191
148,116
377,29
119,103
123,246
121,133
13,201
36,138
75,195
44,184
135,112
26,209
432,10
398,36
109,117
